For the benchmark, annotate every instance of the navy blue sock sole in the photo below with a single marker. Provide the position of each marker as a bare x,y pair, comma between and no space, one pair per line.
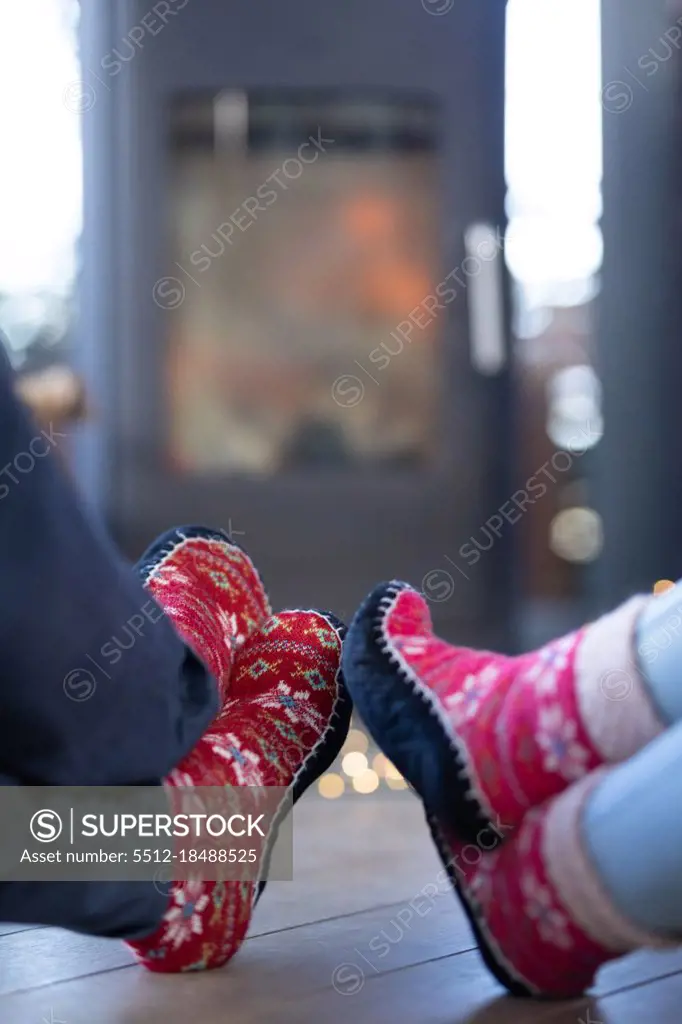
403,721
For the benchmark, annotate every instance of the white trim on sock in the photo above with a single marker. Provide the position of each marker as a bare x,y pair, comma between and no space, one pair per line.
614,702
575,879
469,774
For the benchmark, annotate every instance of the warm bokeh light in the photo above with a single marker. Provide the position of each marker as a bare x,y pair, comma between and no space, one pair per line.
370,217
396,783
356,740
368,782
577,535
354,764
574,413
392,772
331,786
663,586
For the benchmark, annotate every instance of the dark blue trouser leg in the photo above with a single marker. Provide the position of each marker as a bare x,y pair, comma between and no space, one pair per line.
65,593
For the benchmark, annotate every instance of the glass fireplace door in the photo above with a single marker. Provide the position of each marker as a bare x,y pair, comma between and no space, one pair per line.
304,230
305,299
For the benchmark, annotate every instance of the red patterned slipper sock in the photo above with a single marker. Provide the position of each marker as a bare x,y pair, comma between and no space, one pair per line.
541,915
285,721
210,589
279,678
483,737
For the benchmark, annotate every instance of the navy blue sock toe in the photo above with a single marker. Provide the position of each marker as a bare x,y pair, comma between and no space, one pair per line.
403,720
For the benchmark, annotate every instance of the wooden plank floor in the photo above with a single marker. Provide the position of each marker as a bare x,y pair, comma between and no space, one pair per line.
340,943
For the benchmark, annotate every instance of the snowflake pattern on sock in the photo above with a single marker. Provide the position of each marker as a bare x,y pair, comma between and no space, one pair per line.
516,900
262,739
516,719
211,590
557,736
282,704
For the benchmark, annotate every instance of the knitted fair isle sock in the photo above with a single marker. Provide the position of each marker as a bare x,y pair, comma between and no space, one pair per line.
283,725
483,737
540,913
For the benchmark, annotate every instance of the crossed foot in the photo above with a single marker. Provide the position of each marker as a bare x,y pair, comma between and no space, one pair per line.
509,747
284,717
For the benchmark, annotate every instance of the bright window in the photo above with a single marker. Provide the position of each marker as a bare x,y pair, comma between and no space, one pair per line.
40,176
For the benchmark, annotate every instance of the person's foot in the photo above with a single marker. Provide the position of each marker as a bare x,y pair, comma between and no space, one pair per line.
211,590
483,737
541,916
285,716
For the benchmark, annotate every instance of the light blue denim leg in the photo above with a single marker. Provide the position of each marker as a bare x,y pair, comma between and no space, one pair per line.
659,646
633,828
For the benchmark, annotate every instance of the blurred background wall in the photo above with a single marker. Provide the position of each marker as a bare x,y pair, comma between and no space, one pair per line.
437,342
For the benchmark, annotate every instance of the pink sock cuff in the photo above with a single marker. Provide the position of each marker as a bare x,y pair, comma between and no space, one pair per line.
613,700
573,875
